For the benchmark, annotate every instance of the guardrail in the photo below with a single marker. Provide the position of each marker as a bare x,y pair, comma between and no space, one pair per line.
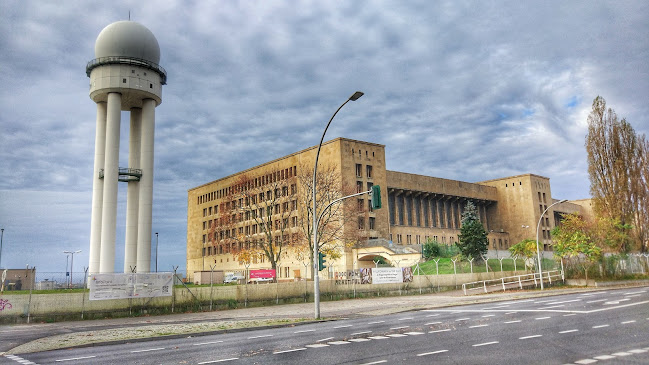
513,282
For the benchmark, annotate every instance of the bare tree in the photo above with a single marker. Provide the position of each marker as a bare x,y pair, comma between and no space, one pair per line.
338,228
255,218
617,164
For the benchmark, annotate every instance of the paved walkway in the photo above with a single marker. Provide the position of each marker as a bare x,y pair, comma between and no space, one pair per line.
24,338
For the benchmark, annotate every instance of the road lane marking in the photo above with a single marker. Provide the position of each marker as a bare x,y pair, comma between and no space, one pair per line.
462,319
221,360
75,358
516,321
444,330
620,354
291,350
565,301
376,322
604,357
635,292
540,318
343,326
601,326
431,323
570,314
432,353
325,339
638,351
303,331
260,336
569,331
396,335
413,333
488,315
405,319
360,333
207,343
485,343
479,325
596,301
627,322
147,350
376,362
585,361
317,345
432,315
554,306
528,337
339,343
398,328
378,337
359,339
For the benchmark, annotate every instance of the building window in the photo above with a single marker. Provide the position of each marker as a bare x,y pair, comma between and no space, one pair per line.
359,169
399,238
408,239
359,186
361,223
368,170
372,222
360,203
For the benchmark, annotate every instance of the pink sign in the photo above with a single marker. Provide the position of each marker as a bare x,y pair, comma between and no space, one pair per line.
258,274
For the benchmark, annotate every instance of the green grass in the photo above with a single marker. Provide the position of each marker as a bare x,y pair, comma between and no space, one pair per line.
462,267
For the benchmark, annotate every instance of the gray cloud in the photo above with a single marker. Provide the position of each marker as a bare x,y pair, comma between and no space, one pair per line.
468,91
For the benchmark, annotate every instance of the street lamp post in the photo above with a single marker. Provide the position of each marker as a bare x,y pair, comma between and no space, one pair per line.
156,252
316,278
71,264
538,252
2,235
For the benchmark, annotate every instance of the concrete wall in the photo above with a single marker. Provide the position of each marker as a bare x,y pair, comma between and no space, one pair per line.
15,307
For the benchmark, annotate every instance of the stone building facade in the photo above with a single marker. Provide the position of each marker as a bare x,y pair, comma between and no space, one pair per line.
415,209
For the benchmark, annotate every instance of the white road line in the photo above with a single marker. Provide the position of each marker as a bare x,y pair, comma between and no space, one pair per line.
291,350
633,295
221,360
339,343
620,354
325,339
398,328
596,301
147,350
565,301
433,315
396,335
360,333
485,343
303,331
627,322
528,337
462,319
432,353
569,331
343,326
511,312
444,330
554,306
75,358
570,314
207,343
539,318
585,361
635,292
376,322
601,326
488,315
431,323
516,321
639,351
405,319
317,345
359,339
479,325
378,337
604,357
376,362
413,333
260,336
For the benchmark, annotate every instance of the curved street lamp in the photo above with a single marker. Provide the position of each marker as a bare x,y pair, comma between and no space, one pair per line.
71,263
538,253
316,277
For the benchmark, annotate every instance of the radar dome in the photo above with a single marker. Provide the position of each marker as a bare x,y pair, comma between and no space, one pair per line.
127,39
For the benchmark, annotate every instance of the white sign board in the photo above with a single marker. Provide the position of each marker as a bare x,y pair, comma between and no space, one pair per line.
384,275
124,286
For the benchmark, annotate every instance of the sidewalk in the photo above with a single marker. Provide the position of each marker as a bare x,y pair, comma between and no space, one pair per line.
24,338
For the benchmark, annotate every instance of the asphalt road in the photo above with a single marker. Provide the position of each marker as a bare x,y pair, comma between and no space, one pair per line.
606,326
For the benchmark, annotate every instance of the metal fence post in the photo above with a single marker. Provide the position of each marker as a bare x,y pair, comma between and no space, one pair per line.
29,305
83,293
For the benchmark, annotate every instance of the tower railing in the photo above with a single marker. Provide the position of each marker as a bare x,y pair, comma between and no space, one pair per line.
126,174
123,60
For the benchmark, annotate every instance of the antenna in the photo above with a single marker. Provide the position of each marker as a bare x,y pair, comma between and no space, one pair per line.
129,15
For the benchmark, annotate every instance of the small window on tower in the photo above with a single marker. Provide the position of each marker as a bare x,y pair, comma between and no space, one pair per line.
123,81
150,86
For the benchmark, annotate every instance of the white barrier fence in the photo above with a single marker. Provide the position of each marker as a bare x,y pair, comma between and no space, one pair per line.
513,282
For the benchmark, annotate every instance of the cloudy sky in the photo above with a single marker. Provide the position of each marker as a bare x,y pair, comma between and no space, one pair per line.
459,90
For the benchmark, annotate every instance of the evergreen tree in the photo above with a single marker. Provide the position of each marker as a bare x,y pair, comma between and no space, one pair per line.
473,240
